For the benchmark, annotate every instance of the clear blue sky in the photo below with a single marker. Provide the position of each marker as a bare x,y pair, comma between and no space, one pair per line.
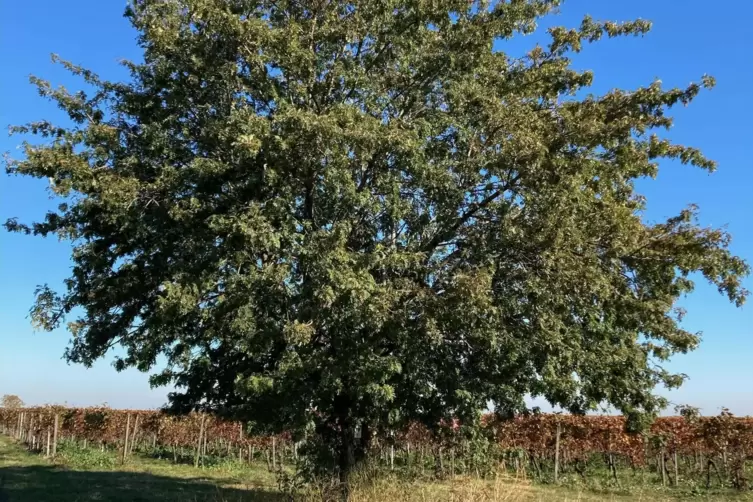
689,38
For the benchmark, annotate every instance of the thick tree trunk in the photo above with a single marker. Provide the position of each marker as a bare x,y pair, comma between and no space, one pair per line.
364,444
347,457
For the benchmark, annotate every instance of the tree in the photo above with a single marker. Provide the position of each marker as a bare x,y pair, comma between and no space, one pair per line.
357,214
11,401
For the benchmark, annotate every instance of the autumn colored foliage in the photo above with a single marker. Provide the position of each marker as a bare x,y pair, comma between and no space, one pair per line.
580,436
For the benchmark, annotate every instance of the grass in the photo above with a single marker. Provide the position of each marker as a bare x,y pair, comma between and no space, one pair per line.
92,475
74,477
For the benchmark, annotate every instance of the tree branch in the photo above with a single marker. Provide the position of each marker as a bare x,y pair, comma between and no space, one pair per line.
442,236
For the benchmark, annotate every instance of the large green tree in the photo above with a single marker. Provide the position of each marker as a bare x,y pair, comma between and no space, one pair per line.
360,213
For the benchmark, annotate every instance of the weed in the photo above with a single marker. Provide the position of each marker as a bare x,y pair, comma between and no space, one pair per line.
73,454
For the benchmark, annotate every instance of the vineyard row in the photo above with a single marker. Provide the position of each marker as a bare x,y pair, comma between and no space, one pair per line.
722,442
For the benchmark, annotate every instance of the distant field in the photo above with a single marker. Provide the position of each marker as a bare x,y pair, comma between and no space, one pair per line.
80,474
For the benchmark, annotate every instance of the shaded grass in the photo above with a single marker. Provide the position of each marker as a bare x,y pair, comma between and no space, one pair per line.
27,477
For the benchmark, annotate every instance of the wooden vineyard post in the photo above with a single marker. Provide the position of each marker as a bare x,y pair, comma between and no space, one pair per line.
125,441
274,456
663,467
49,440
198,446
240,442
33,437
134,434
392,457
55,436
206,435
39,432
674,460
557,453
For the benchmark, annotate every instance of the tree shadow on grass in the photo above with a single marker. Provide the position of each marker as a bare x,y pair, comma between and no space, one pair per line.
41,483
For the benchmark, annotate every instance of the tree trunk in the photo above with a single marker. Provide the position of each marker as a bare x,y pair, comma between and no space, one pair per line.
347,457
363,446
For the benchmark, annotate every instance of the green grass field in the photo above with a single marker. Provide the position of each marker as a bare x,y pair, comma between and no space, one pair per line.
97,476
91,475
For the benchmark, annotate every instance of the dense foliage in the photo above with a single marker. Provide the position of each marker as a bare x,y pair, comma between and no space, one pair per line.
360,214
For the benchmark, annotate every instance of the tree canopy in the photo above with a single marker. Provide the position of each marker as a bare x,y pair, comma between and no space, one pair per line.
361,213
